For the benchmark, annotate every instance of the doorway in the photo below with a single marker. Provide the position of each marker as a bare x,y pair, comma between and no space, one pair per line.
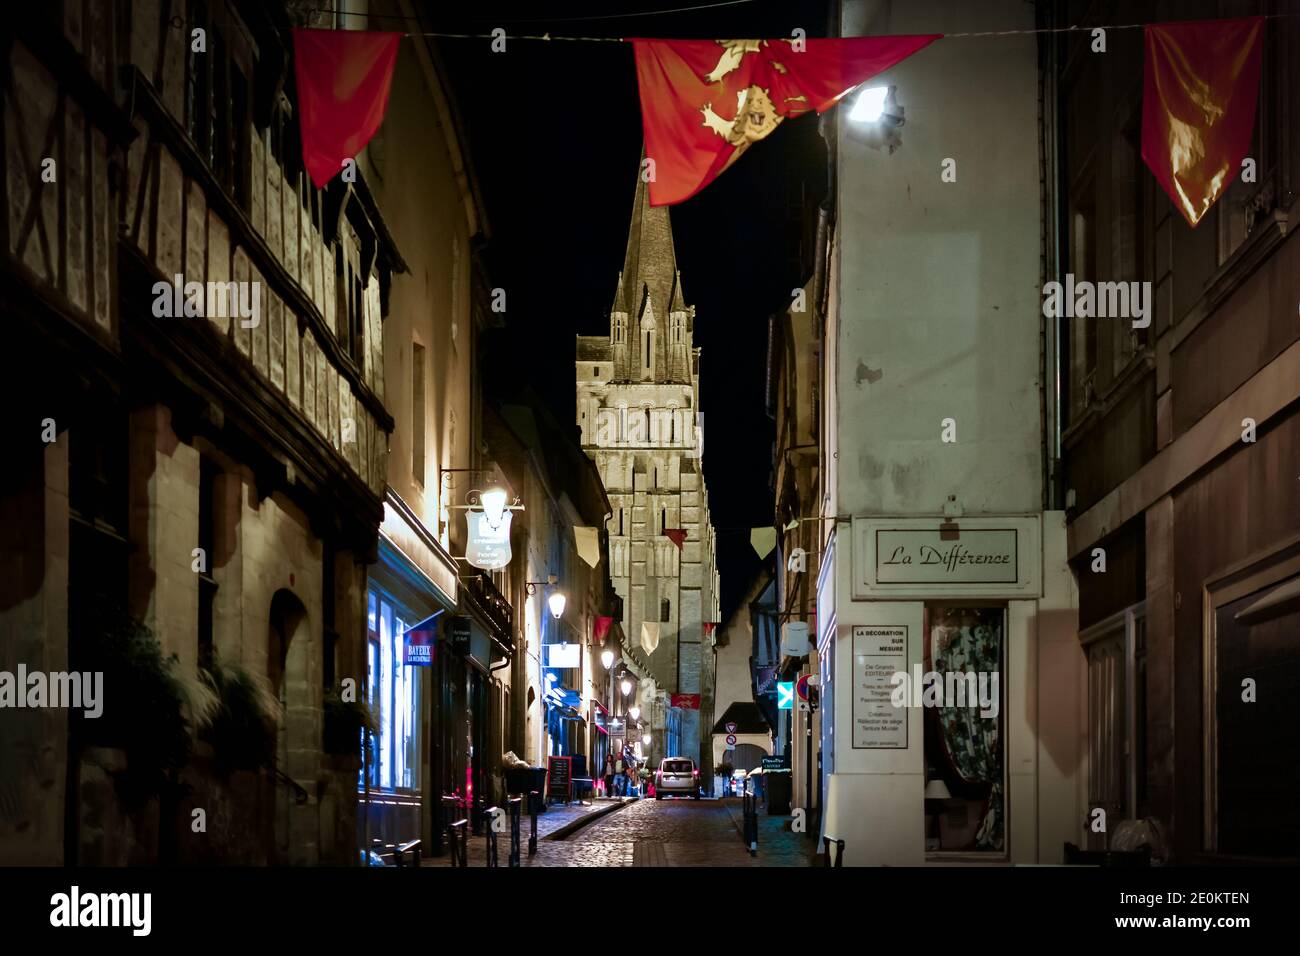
297,755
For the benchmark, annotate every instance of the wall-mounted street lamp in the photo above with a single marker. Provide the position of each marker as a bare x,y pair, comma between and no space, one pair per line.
556,600
626,686
494,505
556,603
607,659
634,712
645,739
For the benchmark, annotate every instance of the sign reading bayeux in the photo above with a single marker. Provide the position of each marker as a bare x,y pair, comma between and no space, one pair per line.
923,557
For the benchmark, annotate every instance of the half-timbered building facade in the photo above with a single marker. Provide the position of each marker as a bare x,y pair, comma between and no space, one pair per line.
216,479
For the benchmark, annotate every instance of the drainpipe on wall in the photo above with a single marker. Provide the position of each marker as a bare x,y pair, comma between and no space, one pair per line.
1049,171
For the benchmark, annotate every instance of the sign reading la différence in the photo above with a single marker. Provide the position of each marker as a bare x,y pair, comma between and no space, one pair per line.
921,556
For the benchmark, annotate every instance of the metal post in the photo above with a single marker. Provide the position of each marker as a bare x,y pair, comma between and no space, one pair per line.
532,813
839,855
490,832
749,812
807,760
515,804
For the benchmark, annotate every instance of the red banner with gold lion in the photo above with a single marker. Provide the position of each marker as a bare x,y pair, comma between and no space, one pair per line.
704,102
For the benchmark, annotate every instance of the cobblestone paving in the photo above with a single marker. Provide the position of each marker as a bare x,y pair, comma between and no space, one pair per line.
654,833
675,833
556,816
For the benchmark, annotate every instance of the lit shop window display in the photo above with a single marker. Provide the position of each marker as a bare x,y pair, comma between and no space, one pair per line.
964,732
393,693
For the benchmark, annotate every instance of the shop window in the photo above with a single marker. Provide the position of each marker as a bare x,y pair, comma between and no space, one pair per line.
394,690
665,611
97,526
965,729
1116,653
1253,683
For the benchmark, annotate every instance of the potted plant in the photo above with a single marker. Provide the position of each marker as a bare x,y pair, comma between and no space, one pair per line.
153,706
344,722
243,724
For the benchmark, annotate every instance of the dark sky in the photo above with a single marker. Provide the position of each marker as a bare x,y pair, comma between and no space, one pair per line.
554,134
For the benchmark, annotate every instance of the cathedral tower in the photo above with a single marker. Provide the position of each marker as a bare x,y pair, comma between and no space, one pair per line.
638,410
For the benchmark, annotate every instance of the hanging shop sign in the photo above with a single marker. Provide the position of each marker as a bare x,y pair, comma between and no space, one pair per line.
459,634
794,639
923,557
419,647
563,656
879,652
489,545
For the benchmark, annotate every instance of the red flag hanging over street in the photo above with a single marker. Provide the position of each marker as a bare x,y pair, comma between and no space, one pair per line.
1200,86
601,628
344,77
676,535
703,102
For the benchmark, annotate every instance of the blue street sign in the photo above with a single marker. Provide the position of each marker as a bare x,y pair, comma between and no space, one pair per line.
785,695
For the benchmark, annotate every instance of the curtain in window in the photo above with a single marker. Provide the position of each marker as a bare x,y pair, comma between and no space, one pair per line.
972,743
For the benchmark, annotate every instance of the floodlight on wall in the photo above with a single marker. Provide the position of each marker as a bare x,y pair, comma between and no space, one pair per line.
876,118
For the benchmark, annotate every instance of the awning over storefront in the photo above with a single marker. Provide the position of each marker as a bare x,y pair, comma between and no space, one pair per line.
408,547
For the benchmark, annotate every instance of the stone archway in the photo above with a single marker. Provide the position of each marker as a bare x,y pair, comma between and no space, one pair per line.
293,671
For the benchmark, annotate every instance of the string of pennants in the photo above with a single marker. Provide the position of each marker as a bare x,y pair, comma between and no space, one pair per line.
762,538
705,102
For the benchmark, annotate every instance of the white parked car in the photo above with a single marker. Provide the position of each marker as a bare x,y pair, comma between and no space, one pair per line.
677,776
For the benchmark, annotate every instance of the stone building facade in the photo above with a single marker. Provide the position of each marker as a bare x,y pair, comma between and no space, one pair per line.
216,480
638,411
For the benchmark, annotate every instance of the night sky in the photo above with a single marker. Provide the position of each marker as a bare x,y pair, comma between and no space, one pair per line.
555,138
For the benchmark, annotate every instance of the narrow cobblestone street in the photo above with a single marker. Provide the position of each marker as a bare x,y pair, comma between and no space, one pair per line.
673,833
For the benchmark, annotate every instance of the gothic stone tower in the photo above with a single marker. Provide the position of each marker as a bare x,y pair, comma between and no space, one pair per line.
638,410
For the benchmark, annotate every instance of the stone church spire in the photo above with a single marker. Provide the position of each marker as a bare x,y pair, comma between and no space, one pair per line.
650,264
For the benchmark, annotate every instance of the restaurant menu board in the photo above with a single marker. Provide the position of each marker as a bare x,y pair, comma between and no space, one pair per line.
559,778
878,653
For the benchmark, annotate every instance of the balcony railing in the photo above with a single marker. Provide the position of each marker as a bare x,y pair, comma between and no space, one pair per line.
491,605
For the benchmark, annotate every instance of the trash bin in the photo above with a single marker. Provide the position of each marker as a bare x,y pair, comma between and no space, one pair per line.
523,780
778,785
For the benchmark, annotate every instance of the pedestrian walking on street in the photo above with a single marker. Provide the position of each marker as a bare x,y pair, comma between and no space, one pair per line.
609,775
